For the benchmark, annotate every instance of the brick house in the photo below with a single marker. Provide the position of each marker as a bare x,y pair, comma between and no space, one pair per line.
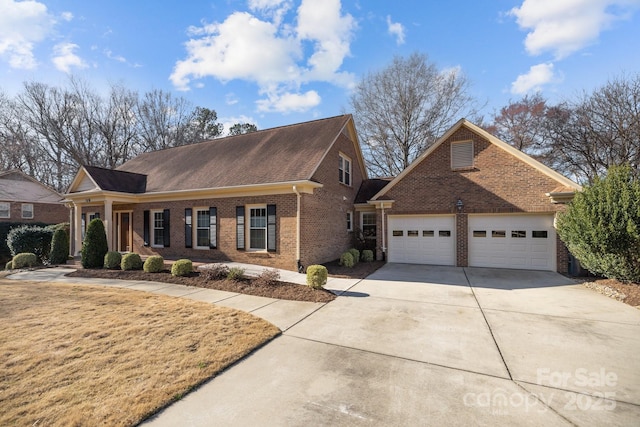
280,197
472,200
25,200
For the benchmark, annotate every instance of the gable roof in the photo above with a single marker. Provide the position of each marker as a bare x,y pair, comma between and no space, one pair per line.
115,180
17,186
369,188
283,154
562,180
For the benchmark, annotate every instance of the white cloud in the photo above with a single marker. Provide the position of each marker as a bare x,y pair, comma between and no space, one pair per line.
119,58
22,25
288,102
231,99
67,16
396,29
260,48
566,26
537,76
65,58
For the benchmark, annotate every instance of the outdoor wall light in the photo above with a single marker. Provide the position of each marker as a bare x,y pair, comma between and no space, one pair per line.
459,205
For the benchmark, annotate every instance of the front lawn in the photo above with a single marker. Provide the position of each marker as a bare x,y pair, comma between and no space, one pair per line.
89,355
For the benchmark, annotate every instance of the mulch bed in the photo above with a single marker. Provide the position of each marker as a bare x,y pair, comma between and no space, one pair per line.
283,290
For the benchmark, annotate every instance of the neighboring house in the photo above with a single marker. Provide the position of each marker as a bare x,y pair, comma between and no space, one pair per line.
472,200
299,195
280,197
25,200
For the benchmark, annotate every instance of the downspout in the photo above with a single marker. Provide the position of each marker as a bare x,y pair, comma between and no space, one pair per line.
384,240
300,267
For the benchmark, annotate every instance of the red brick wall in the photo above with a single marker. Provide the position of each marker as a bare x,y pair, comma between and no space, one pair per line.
324,234
498,183
48,213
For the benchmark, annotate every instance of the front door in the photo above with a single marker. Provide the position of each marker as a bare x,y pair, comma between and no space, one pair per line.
124,231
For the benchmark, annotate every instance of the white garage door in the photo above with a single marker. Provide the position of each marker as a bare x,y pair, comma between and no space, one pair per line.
422,239
512,241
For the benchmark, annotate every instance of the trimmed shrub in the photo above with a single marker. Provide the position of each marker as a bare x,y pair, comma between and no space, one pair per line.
153,264
9,265
268,277
356,255
215,272
601,226
59,247
317,276
367,255
235,273
24,259
346,259
182,267
30,239
94,246
5,227
112,260
131,261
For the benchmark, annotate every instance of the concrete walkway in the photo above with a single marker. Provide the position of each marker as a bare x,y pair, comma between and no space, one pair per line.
281,313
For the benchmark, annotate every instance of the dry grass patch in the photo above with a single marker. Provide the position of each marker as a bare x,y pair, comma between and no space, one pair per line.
88,355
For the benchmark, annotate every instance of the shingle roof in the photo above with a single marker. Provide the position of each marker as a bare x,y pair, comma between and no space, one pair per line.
17,186
369,188
283,154
115,180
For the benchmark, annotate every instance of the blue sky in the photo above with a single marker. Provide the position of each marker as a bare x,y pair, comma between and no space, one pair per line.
276,62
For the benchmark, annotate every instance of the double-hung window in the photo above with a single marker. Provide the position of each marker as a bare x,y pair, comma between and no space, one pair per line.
344,170
203,226
157,229
27,211
5,210
258,228
369,225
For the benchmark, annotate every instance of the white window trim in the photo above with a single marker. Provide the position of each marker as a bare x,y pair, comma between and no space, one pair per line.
152,214
248,227
362,214
349,220
348,159
8,209
194,227
22,211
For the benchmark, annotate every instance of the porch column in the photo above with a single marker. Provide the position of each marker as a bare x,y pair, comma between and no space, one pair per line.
77,228
108,222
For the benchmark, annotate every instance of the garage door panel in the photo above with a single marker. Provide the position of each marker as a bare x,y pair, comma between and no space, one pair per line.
422,239
512,241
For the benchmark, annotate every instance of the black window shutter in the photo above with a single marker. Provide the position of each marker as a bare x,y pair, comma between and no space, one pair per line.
145,216
271,228
213,228
97,215
240,245
188,234
166,222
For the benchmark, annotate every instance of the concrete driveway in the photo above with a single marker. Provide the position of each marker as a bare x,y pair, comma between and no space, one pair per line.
425,345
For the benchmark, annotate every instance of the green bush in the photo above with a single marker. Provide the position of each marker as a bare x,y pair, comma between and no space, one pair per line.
94,246
24,259
5,227
317,276
131,261
235,273
153,264
356,255
9,265
215,272
112,260
59,247
182,267
601,226
30,239
367,255
346,259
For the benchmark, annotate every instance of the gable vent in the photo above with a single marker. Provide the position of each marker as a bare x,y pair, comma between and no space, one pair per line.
462,155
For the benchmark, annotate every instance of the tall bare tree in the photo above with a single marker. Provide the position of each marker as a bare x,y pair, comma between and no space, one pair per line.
402,109
163,120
